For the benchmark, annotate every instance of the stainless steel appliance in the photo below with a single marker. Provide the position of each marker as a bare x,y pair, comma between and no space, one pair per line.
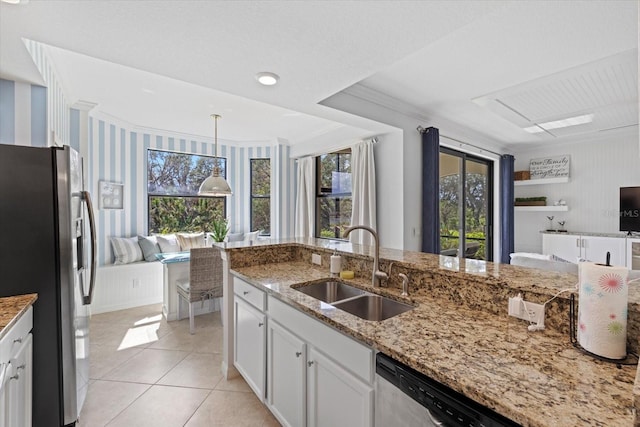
405,397
47,246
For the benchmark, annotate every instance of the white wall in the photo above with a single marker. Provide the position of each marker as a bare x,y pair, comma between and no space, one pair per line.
599,167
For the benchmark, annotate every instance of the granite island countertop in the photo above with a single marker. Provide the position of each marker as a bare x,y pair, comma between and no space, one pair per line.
533,378
12,308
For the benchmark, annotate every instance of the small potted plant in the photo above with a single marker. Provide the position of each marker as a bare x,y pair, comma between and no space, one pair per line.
220,228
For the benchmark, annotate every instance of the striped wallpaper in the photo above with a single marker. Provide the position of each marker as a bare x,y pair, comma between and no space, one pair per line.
58,107
117,153
23,114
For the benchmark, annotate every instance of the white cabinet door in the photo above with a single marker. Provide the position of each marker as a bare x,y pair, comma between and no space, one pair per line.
286,382
21,384
633,253
565,246
595,248
334,396
6,372
249,344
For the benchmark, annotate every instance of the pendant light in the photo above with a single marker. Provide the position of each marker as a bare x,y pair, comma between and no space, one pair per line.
215,185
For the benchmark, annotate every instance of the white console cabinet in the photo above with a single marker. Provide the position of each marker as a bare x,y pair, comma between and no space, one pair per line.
16,373
592,248
633,253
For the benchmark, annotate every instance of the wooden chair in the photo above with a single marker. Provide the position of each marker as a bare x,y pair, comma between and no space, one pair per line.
205,280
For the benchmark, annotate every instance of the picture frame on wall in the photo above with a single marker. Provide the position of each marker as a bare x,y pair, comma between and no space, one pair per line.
110,195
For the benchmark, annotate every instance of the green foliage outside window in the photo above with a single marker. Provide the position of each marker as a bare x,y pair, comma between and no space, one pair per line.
173,180
333,194
261,196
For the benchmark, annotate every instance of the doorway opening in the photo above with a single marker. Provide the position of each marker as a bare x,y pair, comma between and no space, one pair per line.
466,200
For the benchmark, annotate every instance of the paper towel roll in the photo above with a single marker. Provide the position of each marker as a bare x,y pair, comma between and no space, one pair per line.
602,309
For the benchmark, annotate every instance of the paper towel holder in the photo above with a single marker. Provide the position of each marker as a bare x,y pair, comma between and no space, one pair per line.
630,358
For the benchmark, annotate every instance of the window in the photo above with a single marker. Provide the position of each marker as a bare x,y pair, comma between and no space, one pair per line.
261,196
333,194
173,180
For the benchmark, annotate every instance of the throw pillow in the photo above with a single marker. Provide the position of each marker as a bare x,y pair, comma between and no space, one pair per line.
235,237
168,243
188,241
251,236
149,246
126,250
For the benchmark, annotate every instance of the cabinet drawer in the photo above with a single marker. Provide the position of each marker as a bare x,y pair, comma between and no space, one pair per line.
348,352
11,342
249,293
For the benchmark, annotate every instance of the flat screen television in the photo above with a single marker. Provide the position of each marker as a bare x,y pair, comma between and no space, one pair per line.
630,209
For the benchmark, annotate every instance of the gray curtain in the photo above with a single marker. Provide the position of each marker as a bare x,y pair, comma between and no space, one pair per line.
506,208
431,190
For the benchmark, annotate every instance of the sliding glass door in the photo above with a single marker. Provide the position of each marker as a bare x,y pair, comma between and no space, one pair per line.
466,196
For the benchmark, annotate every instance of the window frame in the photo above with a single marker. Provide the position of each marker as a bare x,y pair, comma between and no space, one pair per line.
320,195
252,196
218,160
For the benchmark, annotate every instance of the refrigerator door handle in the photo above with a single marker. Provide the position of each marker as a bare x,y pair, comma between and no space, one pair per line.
86,197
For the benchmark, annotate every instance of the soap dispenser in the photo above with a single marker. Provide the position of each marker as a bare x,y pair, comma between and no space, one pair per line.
336,264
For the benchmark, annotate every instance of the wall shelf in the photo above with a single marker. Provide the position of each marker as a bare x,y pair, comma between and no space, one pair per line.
542,181
542,208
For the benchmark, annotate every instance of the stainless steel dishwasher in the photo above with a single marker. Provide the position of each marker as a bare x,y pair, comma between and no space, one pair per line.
407,398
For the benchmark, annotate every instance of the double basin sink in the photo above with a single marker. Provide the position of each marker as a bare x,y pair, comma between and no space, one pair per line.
353,300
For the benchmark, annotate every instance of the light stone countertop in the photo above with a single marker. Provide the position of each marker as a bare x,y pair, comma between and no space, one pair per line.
534,378
12,308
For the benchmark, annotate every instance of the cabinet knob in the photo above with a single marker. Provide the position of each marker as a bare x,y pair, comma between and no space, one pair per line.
260,324
15,377
298,353
22,366
310,362
245,293
18,340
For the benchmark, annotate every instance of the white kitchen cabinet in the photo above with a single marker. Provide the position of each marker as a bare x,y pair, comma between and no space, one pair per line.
592,248
286,374
336,397
249,342
16,373
633,253
337,387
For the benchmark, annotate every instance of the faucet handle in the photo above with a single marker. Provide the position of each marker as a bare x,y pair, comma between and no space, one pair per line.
381,275
405,284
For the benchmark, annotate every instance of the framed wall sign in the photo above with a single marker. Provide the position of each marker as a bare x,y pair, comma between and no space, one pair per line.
110,195
550,167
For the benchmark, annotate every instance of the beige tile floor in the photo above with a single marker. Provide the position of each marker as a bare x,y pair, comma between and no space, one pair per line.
149,372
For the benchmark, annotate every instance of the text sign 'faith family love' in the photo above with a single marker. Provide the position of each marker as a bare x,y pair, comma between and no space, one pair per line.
550,167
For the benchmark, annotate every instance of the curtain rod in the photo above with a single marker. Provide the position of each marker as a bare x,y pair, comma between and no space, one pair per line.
422,130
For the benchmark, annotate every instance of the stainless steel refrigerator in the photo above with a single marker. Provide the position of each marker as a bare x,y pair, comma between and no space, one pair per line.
47,246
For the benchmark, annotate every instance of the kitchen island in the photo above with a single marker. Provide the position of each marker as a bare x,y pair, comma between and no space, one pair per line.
459,333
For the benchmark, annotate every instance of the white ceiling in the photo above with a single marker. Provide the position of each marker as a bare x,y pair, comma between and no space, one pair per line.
169,64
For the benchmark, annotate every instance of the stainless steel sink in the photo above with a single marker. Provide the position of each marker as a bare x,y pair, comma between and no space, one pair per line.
373,307
330,291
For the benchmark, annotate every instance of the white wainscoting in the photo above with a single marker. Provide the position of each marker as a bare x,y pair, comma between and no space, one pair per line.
125,286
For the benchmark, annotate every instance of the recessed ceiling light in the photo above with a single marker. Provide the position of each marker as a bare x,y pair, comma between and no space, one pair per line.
15,1
267,79
556,124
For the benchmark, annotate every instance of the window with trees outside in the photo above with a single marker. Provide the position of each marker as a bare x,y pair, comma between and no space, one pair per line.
173,180
333,194
261,196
